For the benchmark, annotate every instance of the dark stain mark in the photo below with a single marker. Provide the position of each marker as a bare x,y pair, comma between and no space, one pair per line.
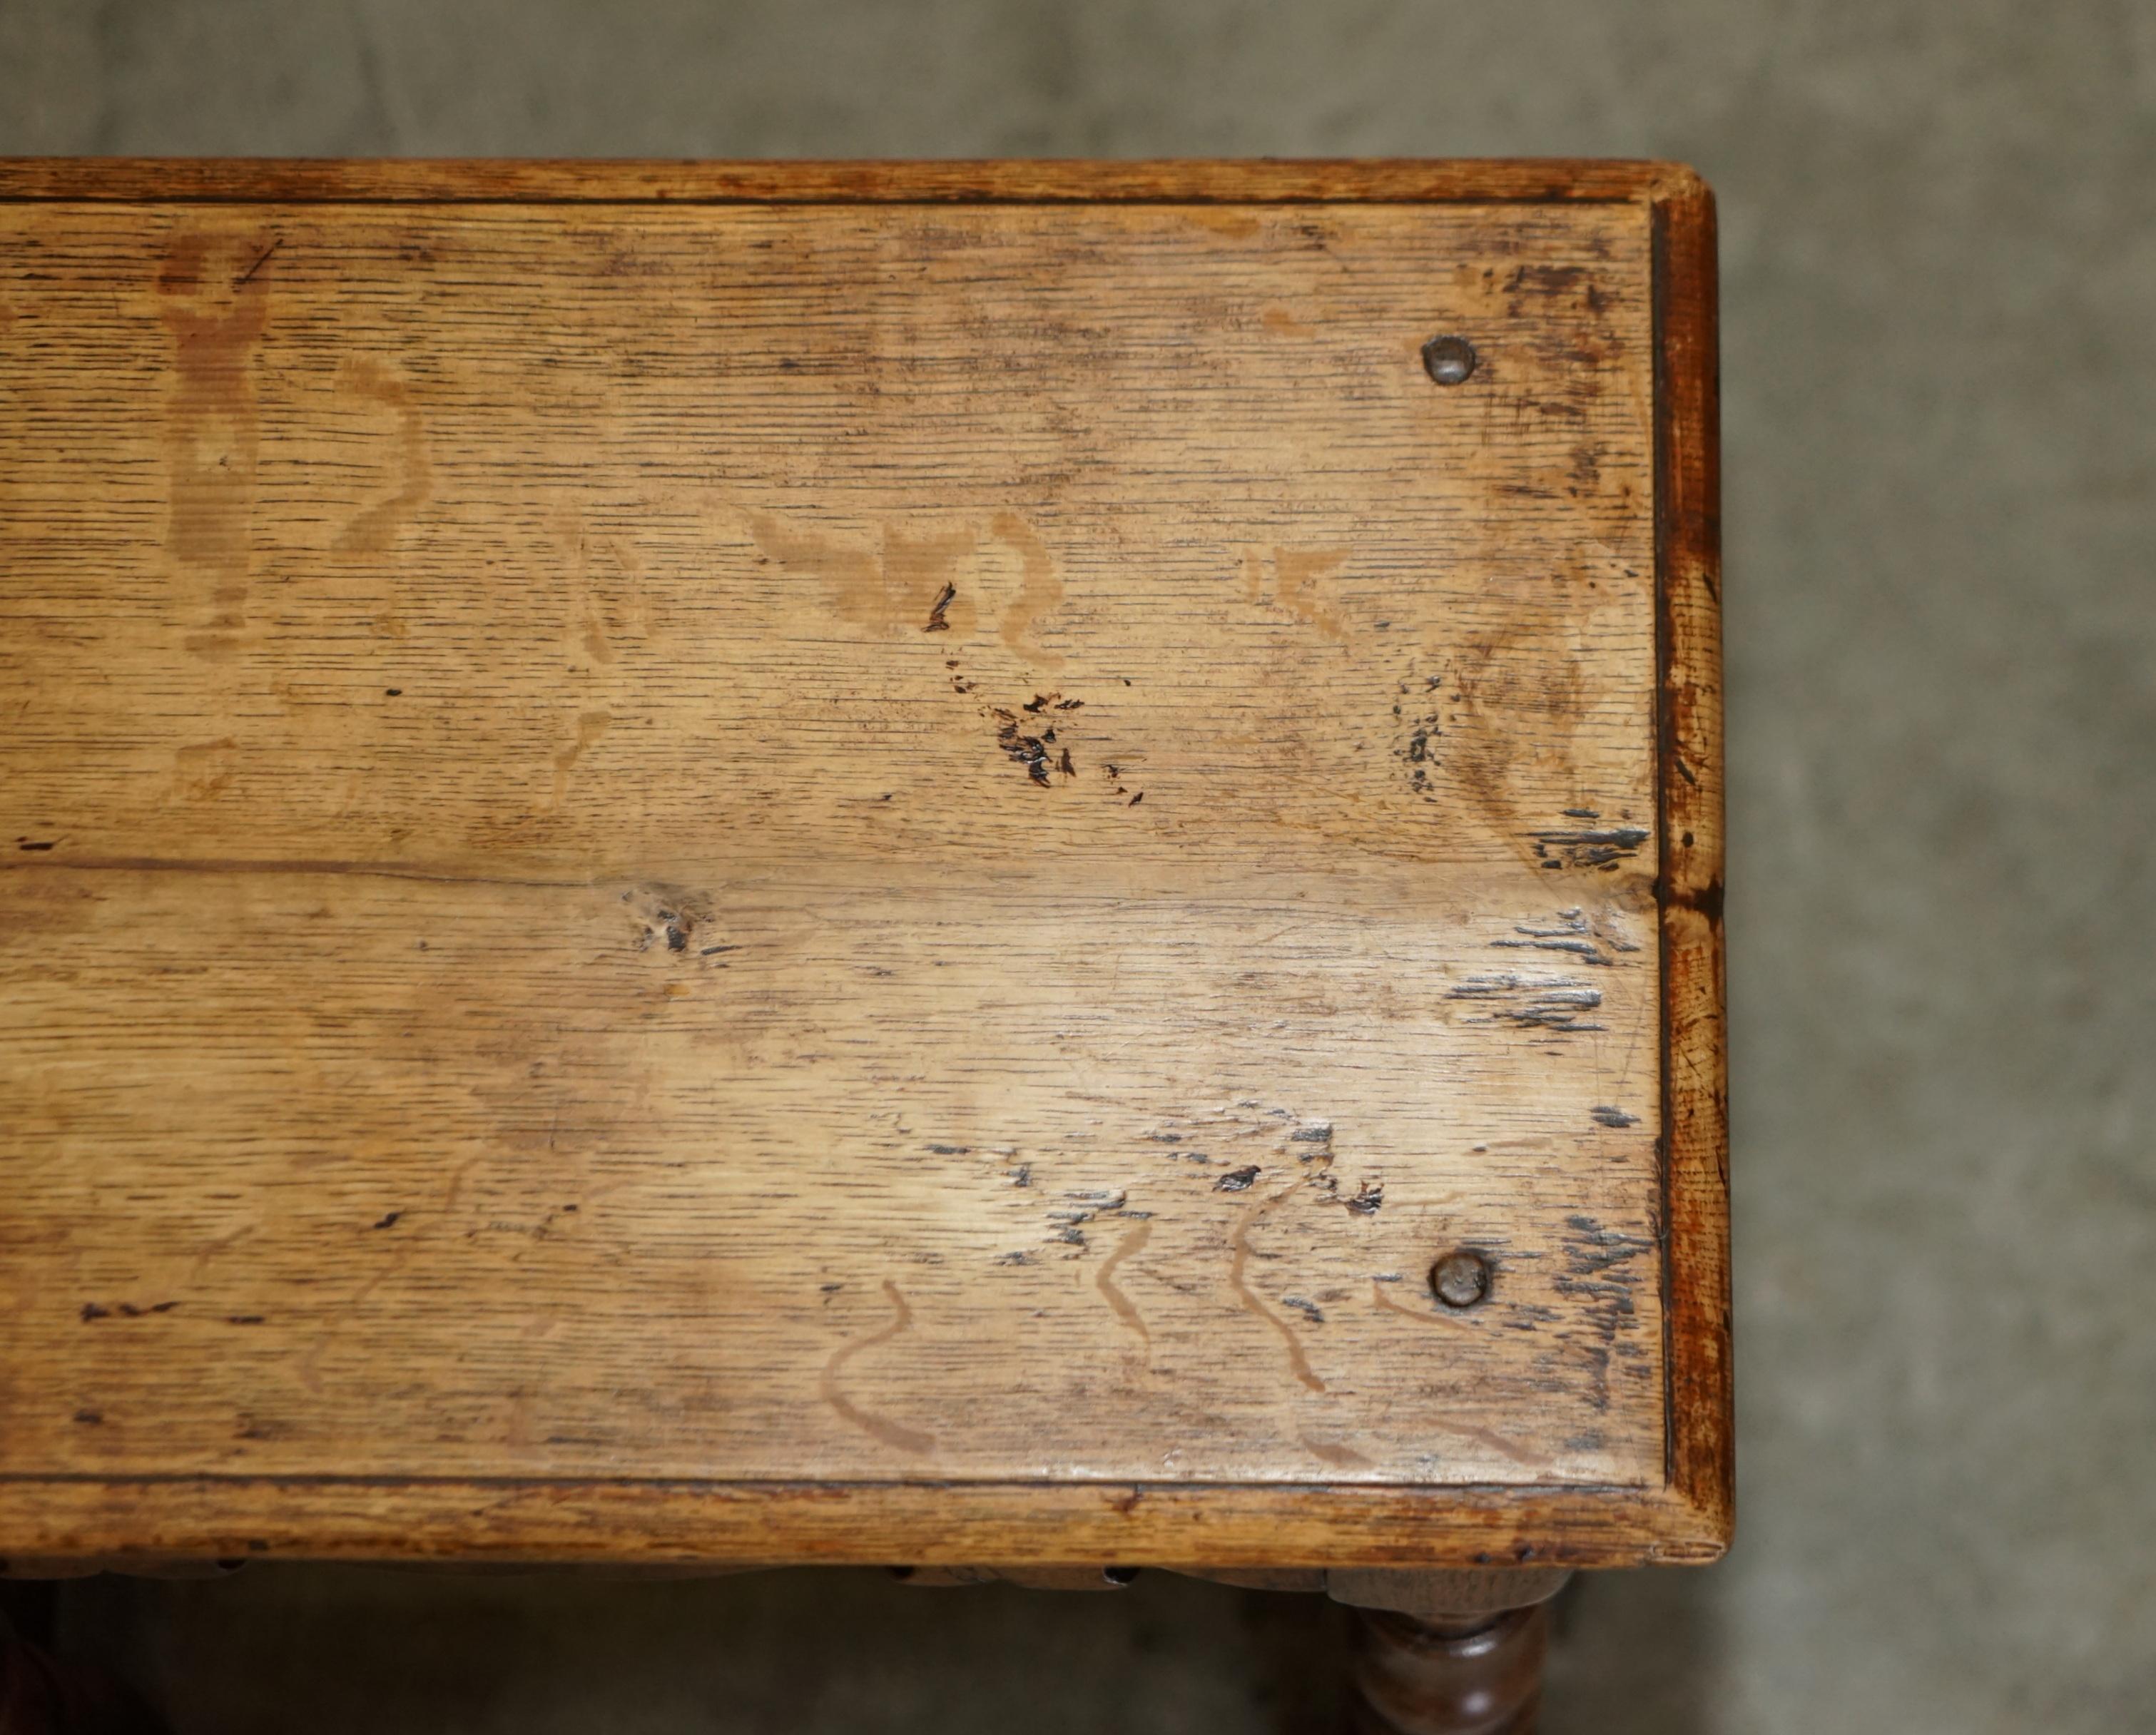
91,1311
1137,798
1595,849
1238,1180
1546,280
944,599
1707,901
1064,766
390,1220
714,951
951,1150
392,692
25,844
1417,753
1582,814
1029,751
1608,1117
246,1319
673,913
1020,1257
89,1418
1309,1309
1022,1176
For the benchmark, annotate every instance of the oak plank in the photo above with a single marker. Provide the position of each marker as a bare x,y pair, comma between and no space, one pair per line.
646,843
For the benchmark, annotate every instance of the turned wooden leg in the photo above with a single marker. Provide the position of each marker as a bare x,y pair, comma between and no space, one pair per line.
1482,1676
1447,1653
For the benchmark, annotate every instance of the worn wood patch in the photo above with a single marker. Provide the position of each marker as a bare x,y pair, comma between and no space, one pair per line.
832,844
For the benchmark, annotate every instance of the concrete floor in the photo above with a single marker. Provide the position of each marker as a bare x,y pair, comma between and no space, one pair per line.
1939,280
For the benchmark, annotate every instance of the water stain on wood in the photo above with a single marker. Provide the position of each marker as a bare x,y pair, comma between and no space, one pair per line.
885,581
215,309
376,527
1112,1291
592,726
1041,590
1238,1280
892,1434
1287,578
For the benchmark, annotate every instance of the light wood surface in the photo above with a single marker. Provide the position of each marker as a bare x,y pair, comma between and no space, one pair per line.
806,878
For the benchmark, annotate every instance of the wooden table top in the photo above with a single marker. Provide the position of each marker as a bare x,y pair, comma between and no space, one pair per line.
754,863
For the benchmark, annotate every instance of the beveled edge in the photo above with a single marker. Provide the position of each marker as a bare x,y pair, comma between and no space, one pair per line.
152,1519
303,180
1695,1142
1688,1520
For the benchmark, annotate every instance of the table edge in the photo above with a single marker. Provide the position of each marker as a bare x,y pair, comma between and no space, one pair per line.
1268,180
1690,1518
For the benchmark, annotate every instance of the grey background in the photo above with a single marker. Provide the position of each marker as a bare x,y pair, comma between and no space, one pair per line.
1939,322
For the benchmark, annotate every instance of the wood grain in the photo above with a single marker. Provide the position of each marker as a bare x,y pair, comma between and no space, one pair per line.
1695,1050
662,855
1239,182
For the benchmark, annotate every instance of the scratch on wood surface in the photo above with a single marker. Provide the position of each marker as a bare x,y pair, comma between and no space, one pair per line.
1105,1282
220,1243
891,1432
1544,1003
1591,847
